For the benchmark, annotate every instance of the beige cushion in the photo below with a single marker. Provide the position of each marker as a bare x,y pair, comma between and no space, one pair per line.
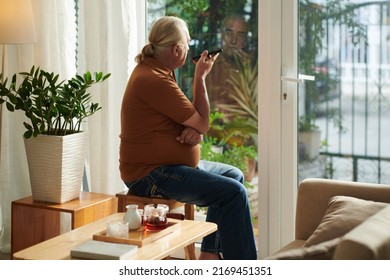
322,251
343,214
368,241
295,244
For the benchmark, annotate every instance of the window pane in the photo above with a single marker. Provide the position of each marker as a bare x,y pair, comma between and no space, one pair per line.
345,44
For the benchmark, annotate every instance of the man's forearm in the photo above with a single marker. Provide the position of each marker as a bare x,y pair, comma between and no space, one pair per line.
200,99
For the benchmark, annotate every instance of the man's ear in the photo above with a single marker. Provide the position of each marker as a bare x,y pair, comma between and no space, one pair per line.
175,50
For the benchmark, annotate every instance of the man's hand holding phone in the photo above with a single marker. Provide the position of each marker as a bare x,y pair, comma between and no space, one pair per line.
209,55
205,63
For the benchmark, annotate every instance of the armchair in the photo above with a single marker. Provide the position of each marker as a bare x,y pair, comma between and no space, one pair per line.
354,216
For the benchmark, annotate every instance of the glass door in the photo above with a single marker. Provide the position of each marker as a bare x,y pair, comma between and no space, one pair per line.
344,114
344,45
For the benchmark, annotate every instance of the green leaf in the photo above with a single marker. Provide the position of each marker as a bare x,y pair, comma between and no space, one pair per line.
27,126
87,77
9,106
106,76
28,134
13,99
98,76
80,78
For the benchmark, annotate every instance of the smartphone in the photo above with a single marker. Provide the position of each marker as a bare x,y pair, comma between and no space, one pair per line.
211,54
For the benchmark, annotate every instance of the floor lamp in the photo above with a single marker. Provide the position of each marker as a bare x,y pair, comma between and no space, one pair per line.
16,27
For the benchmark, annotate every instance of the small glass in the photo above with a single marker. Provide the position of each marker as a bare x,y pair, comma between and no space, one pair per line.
118,228
155,217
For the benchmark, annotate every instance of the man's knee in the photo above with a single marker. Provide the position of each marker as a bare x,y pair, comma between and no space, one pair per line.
236,174
240,190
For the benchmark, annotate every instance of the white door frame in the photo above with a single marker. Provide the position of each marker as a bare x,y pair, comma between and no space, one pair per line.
277,124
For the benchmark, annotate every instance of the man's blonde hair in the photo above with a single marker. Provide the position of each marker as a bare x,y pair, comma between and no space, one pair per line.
165,32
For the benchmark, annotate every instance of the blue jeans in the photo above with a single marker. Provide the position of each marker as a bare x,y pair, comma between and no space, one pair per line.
215,185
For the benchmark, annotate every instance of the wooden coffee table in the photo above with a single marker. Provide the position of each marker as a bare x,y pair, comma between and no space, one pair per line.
58,248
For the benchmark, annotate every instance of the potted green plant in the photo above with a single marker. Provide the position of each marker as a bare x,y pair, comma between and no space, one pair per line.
55,144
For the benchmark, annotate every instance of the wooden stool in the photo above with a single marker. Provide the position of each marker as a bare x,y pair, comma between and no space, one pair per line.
127,197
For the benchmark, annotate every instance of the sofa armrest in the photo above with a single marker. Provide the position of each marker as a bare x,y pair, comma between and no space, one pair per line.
314,194
368,241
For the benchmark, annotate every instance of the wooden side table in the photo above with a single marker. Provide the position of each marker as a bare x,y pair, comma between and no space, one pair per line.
33,221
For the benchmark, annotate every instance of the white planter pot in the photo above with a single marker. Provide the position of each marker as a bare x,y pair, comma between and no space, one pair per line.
56,165
312,142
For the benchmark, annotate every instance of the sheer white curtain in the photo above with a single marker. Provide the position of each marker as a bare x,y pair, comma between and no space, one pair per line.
108,36
111,34
103,46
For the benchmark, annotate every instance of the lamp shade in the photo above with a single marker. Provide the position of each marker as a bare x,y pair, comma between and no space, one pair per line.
16,22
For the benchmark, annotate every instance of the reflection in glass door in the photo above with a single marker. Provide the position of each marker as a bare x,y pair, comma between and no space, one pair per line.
344,115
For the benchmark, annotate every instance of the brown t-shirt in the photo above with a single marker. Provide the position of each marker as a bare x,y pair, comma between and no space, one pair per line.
153,109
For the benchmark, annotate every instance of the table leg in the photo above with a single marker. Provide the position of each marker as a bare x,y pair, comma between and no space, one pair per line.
190,252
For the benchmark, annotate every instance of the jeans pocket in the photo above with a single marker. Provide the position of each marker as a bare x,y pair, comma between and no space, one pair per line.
147,187
141,187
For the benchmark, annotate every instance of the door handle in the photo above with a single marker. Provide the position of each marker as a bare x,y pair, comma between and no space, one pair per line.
301,78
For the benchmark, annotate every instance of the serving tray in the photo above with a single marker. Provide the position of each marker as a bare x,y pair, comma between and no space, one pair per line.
139,237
